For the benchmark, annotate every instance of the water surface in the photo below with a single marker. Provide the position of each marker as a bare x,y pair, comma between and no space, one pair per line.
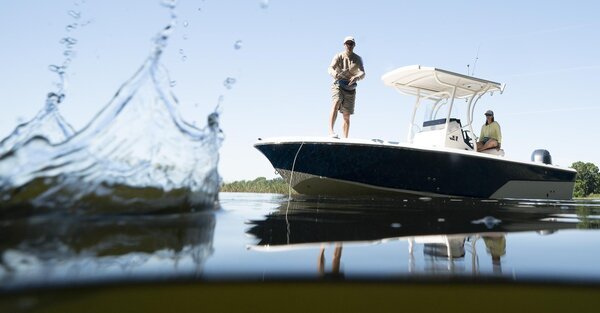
257,237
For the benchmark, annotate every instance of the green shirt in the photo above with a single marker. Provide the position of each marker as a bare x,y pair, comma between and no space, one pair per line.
492,130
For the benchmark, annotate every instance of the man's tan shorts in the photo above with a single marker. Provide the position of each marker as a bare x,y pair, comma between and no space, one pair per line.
343,99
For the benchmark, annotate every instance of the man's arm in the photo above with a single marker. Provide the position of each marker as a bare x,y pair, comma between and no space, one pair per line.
360,74
332,67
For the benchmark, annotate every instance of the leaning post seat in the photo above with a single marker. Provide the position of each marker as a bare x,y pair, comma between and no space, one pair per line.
442,121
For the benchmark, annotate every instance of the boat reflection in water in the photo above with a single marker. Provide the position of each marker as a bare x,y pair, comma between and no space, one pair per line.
73,250
450,232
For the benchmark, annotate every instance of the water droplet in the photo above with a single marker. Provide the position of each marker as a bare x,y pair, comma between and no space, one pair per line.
71,27
55,97
196,105
69,53
396,225
69,42
185,37
238,45
186,24
169,3
173,83
229,82
56,69
213,120
74,14
183,56
264,4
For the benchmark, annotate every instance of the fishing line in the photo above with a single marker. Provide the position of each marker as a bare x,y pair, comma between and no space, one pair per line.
287,223
292,174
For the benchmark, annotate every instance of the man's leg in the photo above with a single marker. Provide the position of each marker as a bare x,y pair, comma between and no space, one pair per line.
337,256
333,117
336,98
346,126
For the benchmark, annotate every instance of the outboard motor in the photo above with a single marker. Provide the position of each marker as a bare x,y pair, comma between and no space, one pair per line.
541,156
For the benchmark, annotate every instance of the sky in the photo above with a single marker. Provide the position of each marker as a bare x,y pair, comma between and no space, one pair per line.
546,52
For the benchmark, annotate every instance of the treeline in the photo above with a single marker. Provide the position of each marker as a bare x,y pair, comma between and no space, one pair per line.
260,185
587,183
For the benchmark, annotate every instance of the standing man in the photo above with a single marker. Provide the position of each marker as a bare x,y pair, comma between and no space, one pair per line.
490,136
346,68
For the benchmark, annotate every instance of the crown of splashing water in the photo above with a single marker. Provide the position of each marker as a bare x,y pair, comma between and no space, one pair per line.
137,154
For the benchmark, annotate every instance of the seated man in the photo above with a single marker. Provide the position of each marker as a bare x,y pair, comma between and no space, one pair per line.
490,136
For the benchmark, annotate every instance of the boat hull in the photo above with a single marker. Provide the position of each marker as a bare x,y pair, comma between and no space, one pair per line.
364,169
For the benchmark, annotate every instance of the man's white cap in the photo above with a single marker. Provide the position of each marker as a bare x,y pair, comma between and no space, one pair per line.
349,38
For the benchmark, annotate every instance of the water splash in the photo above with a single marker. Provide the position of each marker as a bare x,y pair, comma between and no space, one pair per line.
137,154
48,123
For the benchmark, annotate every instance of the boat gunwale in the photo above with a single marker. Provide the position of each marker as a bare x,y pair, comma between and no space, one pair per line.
400,145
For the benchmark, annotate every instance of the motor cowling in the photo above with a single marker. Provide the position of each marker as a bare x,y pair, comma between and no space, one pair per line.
541,156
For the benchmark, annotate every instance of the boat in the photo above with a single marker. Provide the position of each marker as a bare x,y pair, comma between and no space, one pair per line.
310,223
444,231
438,159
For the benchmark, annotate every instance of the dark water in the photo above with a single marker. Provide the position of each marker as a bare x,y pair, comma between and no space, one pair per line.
256,237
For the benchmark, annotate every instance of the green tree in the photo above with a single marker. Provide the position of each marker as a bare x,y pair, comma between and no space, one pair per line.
588,179
260,184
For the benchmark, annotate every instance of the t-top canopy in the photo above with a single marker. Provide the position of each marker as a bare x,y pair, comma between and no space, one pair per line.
437,83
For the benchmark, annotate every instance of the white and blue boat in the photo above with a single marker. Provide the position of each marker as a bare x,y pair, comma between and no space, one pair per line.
437,160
